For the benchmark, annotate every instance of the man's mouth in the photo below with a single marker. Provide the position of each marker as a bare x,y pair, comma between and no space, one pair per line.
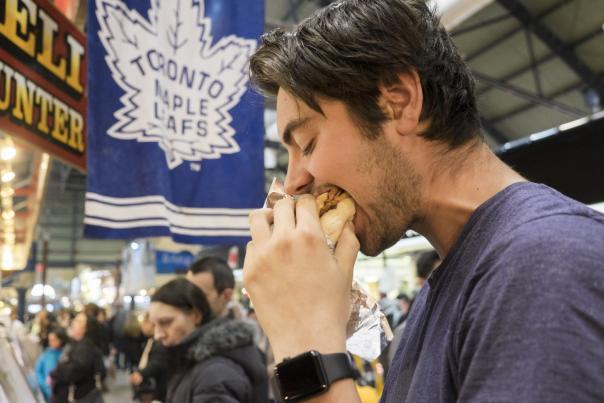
323,189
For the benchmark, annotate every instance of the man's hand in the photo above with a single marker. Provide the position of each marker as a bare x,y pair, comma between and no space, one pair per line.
300,290
136,378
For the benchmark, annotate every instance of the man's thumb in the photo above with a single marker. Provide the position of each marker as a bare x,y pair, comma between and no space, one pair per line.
347,249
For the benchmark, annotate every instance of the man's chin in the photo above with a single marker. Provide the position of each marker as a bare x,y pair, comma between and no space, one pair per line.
368,248
373,248
370,252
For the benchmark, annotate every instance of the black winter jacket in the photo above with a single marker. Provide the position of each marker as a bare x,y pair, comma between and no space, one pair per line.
218,363
156,373
79,365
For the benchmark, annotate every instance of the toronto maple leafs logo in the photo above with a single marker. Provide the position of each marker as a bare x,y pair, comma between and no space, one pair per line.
178,86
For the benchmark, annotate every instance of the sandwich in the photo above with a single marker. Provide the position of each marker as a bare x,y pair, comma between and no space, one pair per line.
335,208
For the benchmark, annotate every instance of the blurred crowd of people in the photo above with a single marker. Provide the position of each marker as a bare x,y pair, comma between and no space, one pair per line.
193,344
67,350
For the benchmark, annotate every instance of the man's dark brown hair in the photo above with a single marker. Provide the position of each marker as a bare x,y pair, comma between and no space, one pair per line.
221,272
347,50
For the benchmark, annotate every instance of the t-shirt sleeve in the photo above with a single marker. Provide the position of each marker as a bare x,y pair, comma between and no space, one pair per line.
531,327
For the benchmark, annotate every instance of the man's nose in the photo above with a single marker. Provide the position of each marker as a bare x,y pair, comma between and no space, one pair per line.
298,180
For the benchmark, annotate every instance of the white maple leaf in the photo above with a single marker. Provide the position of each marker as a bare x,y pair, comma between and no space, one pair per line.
178,86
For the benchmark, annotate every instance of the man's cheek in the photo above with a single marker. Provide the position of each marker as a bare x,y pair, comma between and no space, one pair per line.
323,169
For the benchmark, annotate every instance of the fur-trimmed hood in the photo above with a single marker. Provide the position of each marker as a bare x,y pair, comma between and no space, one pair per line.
220,336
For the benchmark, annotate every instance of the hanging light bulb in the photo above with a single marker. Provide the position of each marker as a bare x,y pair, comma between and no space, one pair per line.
8,176
7,257
10,238
8,214
7,153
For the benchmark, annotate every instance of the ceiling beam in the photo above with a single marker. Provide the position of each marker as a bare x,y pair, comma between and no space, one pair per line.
494,132
517,73
504,37
534,67
562,50
522,93
527,107
479,25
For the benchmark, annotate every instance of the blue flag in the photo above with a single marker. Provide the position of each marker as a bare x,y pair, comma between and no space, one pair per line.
175,135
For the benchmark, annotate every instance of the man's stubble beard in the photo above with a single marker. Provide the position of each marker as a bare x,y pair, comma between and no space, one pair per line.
397,197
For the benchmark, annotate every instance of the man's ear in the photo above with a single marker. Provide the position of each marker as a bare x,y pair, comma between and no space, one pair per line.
402,102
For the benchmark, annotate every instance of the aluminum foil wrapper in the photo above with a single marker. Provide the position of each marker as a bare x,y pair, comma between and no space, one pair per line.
368,332
275,193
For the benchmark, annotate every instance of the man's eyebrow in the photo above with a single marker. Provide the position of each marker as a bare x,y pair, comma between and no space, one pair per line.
291,126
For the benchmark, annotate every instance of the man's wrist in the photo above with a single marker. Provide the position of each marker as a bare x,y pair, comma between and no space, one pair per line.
310,374
294,349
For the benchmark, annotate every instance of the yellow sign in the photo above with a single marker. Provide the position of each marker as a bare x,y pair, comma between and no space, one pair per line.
42,78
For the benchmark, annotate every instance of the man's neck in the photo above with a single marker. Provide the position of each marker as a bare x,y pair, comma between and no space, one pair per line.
462,182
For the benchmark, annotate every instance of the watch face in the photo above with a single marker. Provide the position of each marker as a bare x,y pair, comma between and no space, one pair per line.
301,376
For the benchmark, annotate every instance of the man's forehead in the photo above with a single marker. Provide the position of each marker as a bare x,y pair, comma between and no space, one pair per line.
288,107
286,99
205,277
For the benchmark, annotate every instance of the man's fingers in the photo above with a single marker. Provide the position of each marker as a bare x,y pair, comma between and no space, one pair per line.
248,252
347,249
285,221
307,215
247,263
260,224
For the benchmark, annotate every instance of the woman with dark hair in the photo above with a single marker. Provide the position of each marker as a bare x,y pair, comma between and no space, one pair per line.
215,360
80,367
48,360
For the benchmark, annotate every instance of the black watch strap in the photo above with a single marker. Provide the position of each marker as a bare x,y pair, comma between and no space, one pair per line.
310,374
337,366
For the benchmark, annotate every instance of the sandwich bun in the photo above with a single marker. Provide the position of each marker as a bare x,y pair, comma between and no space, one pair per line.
335,208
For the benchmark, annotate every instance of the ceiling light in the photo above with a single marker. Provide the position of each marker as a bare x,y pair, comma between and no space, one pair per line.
8,153
7,257
8,176
38,289
8,192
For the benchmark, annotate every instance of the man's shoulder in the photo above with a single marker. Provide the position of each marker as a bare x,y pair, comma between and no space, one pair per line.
570,233
534,220
531,203
552,248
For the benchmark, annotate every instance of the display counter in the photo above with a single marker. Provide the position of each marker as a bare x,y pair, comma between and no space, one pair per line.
14,383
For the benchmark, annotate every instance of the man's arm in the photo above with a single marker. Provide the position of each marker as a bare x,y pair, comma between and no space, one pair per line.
300,290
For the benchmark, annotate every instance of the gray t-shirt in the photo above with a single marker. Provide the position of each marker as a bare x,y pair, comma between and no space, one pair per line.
515,313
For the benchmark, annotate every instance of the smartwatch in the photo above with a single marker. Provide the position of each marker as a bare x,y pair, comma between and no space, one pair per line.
311,373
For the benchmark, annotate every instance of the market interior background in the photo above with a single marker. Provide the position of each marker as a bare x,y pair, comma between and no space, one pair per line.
538,65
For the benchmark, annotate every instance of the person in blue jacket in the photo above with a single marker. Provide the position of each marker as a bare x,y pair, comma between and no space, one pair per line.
57,338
